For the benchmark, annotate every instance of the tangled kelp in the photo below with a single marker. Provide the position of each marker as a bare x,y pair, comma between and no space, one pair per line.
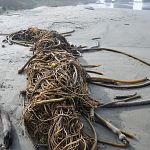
57,93
56,90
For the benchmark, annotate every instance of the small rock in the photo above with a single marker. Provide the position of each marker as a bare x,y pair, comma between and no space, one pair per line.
3,46
126,24
89,8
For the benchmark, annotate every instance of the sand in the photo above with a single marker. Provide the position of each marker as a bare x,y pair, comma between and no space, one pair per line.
122,29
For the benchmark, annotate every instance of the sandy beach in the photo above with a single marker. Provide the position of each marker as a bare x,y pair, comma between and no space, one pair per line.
122,29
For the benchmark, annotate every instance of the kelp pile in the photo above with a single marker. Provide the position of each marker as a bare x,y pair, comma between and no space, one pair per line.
57,92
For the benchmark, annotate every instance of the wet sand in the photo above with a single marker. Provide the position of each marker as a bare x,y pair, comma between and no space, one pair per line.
125,30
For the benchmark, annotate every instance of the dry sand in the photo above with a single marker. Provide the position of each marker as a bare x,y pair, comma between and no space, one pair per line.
125,30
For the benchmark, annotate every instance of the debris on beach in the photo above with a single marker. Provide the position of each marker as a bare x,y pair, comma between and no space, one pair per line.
57,92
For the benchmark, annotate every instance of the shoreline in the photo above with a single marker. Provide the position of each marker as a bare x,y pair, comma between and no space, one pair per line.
31,4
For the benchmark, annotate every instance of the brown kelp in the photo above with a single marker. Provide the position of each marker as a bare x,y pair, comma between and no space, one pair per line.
57,91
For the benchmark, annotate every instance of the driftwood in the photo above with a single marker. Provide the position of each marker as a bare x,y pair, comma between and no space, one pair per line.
7,129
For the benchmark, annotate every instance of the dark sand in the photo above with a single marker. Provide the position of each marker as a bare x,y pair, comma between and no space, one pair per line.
125,30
